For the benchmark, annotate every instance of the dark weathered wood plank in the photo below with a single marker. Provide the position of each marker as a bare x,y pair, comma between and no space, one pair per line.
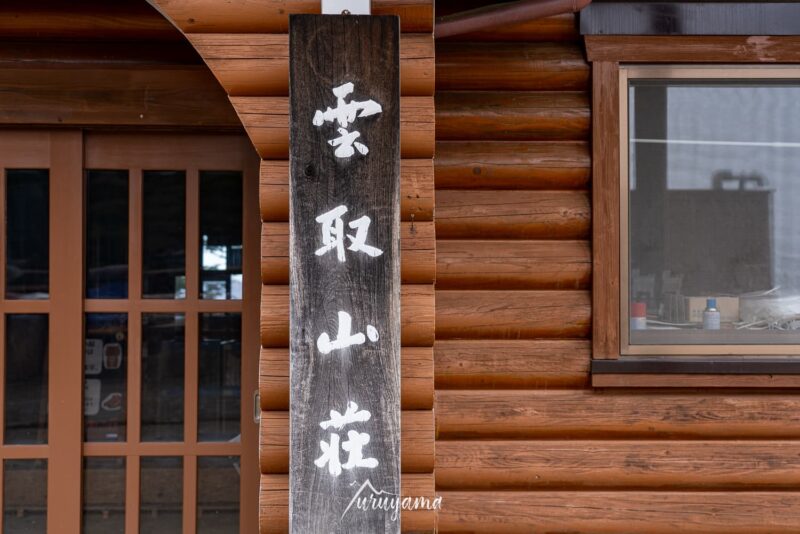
330,284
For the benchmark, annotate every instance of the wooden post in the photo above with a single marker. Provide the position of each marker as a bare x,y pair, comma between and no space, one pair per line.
345,274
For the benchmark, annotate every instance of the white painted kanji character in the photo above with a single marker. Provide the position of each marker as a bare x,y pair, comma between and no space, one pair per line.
330,456
343,339
332,232
345,143
359,241
355,446
344,114
351,415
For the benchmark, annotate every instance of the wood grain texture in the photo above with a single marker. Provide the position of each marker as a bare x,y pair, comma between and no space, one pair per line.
512,215
617,414
416,437
416,378
417,253
180,96
525,67
325,53
677,380
511,364
662,465
266,120
416,314
693,49
272,16
248,64
512,116
602,512
557,28
512,165
605,211
513,264
416,190
274,504
512,314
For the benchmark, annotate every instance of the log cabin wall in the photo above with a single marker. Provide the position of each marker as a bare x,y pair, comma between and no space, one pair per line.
245,44
524,444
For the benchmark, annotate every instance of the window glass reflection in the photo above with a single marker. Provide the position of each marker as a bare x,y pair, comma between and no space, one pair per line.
106,234
24,496
221,235
162,377
161,495
26,379
218,494
105,371
219,377
103,495
164,234
27,234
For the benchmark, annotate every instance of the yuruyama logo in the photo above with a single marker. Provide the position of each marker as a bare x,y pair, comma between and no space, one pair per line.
368,498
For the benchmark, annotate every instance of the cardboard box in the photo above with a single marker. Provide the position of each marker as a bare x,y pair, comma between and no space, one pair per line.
728,308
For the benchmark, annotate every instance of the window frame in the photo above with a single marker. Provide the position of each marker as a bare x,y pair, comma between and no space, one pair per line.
614,59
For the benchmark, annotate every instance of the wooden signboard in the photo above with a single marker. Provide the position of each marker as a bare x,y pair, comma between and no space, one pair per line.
345,274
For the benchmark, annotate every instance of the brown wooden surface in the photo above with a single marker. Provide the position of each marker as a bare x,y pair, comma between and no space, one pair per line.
416,436
416,190
512,314
692,49
673,380
513,264
416,383
176,97
417,247
617,414
512,215
275,504
512,116
613,512
662,465
512,165
272,16
549,29
511,364
605,209
248,64
525,67
266,120
416,311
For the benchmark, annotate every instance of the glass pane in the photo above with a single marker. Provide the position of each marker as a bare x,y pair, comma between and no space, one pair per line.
164,234
714,188
218,495
162,377
26,379
221,235
220,366
24,496
27,234
161,495
105,370
103,495
107,234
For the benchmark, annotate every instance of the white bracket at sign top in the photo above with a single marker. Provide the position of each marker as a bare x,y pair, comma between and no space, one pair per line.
340,7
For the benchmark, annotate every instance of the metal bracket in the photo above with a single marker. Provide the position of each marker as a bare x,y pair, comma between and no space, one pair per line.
345,7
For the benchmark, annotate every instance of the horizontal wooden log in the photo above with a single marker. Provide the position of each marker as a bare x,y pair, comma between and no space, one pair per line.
261,16
525,67
559,465
600,512
694,48
484,364
274,504
87,19
512,165
248,64
416,190
467,264
548,29
181,96
512,215
416,442
512,314
617,414
416,315
680,380
416,383
512,116
266,120
417,253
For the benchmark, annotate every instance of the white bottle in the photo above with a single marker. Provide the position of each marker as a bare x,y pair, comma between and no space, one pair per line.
711,315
